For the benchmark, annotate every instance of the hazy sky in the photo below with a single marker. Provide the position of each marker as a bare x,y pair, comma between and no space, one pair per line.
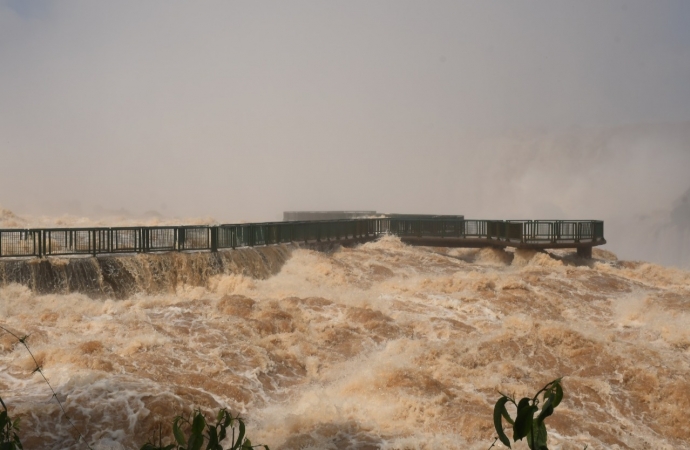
240,110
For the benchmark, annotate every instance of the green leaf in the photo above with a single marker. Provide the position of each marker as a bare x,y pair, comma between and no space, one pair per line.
247,445
177,432
240,437
546,410
212,438
528,438
199,423
507,417
222,434
524,403
536,438
196,440
541,436
524,419
558,395
499,408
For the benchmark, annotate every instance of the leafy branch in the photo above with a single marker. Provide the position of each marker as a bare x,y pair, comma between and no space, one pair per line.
9,440
525,425
215,433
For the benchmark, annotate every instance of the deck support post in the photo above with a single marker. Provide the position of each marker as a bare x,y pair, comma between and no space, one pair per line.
585,252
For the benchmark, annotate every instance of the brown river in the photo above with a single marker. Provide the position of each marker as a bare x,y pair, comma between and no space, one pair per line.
379,346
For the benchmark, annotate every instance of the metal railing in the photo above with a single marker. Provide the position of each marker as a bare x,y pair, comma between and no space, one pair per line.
95,241
513,231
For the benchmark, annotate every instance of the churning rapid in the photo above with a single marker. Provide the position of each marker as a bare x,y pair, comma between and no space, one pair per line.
378,346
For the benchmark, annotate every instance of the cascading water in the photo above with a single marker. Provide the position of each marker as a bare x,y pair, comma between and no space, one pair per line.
122,276
379,346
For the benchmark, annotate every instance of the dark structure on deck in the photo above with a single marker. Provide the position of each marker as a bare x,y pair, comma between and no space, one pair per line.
301,216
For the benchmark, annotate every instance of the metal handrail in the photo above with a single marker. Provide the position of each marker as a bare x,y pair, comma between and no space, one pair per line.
111,240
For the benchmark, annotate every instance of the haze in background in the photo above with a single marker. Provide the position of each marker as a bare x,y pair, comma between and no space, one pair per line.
240,111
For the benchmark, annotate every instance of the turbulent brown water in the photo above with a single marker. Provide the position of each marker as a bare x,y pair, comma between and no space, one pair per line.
379,346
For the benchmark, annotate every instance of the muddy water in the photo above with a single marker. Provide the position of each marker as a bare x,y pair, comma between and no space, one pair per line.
379,346
121,276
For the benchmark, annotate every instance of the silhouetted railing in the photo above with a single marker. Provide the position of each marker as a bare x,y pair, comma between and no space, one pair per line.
95,241
515,231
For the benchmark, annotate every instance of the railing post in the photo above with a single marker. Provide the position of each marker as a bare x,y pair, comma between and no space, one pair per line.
214,238
559,229
182,237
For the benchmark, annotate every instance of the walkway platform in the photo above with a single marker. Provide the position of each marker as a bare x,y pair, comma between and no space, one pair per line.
438,231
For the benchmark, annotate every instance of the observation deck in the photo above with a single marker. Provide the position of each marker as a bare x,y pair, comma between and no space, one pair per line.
433,231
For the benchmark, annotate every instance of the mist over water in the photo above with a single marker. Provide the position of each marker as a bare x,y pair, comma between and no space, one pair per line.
379,346
238,112
635,178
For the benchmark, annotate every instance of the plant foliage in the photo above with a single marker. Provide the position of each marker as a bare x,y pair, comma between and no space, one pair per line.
9,440
193,432
525,424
